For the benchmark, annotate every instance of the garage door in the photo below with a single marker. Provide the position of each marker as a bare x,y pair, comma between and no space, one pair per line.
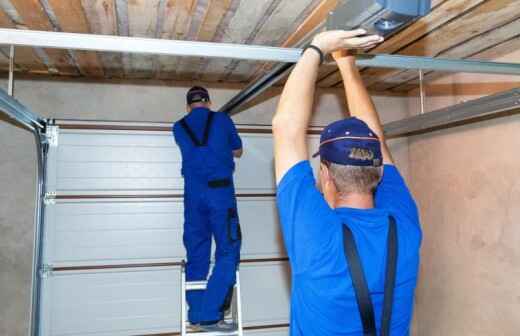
113,232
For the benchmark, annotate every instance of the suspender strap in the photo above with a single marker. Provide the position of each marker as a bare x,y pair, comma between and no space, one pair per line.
192,136
391,268
366,309
190,133
209,122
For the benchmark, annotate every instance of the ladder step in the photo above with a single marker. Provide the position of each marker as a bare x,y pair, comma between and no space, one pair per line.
213,333
196,285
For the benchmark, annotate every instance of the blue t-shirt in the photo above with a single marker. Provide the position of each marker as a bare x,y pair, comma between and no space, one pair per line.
214,160
323,300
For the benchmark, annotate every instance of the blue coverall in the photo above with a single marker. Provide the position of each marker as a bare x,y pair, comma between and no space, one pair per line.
207,140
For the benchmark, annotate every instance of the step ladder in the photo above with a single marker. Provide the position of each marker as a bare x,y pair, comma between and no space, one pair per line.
233,315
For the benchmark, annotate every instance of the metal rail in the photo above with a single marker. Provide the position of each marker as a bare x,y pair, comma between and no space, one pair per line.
488,106
37,125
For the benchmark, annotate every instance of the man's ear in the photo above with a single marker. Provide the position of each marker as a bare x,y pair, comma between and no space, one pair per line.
209,103
188,108
328,187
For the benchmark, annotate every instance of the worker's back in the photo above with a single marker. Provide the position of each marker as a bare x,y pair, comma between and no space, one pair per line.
210,154
323,297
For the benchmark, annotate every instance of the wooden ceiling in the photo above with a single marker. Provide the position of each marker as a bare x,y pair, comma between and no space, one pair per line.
475,29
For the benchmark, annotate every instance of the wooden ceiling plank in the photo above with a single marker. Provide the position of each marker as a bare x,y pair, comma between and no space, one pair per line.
196,17
479,22
71,18
25,57
177,16
441,14
273,31
102,20
317,17
214,14
239,30
142,22
34,17
489,46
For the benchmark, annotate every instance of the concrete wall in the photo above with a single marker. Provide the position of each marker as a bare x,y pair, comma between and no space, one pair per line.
105,101
466,183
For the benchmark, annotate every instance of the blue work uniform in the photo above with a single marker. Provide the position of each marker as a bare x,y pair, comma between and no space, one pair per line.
323,300
207,140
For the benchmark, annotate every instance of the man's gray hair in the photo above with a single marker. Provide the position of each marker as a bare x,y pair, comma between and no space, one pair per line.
355,179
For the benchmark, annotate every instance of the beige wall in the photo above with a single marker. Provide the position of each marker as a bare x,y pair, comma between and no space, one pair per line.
108,101
465,180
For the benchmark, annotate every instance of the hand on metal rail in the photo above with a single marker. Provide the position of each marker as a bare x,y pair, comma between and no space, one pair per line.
334,40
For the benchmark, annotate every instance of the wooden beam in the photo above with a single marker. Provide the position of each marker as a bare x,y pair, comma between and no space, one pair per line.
443,13
101,16
71,18
215,13
25,57
142,22
272,31
175,24
492,45
445,42
241,29
34,17
317,17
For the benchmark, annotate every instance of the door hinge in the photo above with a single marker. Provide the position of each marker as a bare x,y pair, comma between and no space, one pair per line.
51,134
49,198
46,271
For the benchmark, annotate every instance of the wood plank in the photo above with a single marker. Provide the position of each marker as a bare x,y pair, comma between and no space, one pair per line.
72,19
473,25
273,31
142,22
316,18
213,16
492,45
444,12
101,17
175,25
34,17
239,30
189,32
25,57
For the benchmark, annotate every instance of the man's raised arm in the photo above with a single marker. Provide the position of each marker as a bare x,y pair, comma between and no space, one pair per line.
359,102
292,117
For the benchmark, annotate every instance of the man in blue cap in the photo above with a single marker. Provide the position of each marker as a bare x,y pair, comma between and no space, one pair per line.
209,142
353,241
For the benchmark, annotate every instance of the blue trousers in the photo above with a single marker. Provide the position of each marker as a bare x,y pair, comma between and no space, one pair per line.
210,212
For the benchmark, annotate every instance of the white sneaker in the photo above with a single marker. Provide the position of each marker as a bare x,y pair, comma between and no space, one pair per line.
220,326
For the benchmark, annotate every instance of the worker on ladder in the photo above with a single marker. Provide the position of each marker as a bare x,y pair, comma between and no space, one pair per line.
353,243
209,142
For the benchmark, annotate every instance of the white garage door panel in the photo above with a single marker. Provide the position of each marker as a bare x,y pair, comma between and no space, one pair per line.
112,303
265,292
147,301
81,232
269,332
108,162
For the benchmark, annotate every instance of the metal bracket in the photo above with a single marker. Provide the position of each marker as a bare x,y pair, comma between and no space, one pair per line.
45,271
49,198
51,135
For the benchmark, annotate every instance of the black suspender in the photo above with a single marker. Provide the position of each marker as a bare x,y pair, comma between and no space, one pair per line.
207,128
366,309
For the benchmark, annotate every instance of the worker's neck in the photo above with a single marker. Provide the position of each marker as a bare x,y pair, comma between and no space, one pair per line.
354,200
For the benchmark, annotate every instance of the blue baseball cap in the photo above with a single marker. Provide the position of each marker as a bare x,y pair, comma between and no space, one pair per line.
197,94
350,142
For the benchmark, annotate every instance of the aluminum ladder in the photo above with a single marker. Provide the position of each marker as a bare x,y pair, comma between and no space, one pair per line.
234,314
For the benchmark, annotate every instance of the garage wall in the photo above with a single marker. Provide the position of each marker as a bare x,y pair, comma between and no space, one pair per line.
106,101
466,183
